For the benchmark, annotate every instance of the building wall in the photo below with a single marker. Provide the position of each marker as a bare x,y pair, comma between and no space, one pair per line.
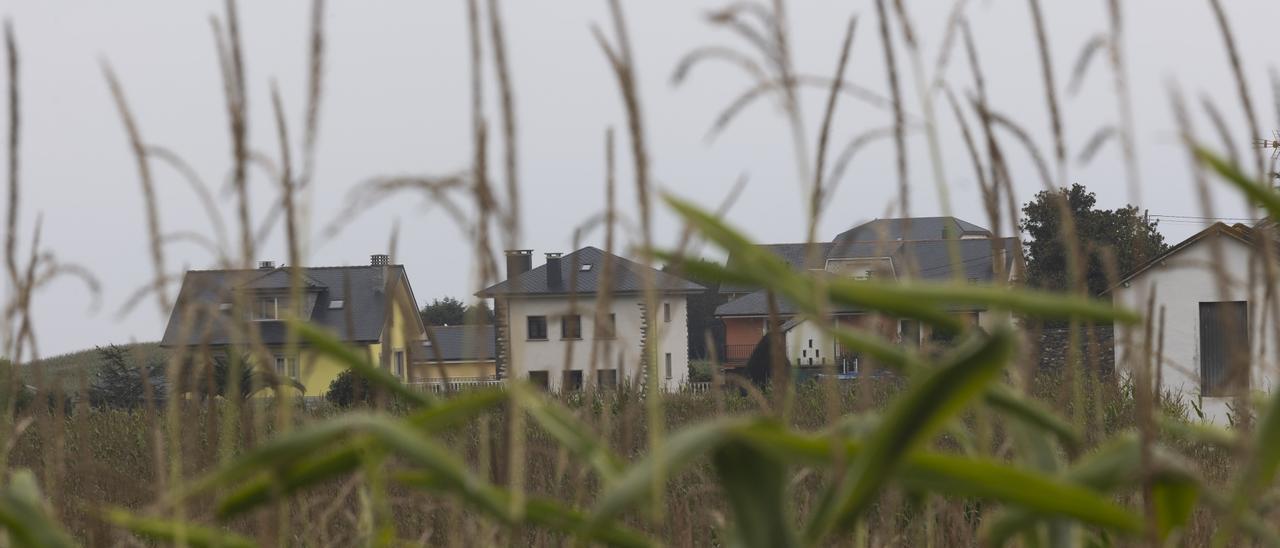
1181,283
555,355
431,371
745,331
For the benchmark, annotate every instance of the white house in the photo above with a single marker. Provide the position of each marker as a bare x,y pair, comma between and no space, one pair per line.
551,330
1211,288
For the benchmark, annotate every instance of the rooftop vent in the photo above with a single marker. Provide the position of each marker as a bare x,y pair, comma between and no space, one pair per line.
266,265
379,259
519,261
553,270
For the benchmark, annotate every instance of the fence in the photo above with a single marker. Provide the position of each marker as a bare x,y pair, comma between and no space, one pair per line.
456,384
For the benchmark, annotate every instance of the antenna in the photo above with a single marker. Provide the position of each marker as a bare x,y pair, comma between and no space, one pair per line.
1273,144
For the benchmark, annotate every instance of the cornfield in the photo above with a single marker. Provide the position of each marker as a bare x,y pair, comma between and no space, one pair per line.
968,446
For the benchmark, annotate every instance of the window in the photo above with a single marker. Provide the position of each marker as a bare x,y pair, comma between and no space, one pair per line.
668,366
335,304
666,312
607,378
571,326
909,332
572,380
584,268
539,379
608,328
266,308
398,363
537,328
287,367
1224,348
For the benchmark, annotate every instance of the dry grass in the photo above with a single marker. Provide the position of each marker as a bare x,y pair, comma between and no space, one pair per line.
839,462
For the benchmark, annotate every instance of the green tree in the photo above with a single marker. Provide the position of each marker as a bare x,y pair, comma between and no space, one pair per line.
1124,231
451,311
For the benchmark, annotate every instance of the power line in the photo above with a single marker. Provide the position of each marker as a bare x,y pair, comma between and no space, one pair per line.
1198,218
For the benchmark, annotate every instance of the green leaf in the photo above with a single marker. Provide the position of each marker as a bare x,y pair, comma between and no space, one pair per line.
307,472
929,302
547,513
176,532
1029,412
1174,497
1034,491
23,515
754,482
1268,198
911,419
327,344
678,452
576,436
1260,472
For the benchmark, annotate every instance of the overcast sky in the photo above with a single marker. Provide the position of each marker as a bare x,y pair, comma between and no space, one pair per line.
396,102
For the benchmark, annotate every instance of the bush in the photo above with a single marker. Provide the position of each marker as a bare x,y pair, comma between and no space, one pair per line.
700,370
349,389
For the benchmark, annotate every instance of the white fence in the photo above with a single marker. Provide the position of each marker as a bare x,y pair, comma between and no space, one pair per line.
456,384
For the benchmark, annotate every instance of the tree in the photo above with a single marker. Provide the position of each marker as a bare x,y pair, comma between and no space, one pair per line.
120,383
451,311
1125,232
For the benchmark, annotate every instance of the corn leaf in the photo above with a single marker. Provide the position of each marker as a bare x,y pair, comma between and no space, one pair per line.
576,436
327,344
913,417
175,532
23,515
754,483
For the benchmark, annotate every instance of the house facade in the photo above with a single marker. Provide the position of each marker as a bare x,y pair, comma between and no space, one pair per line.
899,249
582,318
456,353
1210,289
370,307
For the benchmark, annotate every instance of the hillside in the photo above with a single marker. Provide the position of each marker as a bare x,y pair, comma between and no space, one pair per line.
67,368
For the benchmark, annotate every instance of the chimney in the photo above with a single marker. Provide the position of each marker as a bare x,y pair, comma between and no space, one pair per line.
379,259
266,265
553,270
519,261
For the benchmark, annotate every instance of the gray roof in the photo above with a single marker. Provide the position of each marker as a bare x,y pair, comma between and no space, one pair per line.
926,260
920,241
628,277
203,291
794,254
460,343
908,229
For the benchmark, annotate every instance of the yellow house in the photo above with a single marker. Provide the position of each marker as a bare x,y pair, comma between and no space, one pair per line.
456,353
370,307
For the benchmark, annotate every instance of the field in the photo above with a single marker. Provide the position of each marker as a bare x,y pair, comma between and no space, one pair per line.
974,440
107,459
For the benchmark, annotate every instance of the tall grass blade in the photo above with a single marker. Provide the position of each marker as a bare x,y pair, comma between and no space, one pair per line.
913,417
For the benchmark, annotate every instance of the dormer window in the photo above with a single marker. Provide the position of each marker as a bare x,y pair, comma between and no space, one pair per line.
267,308
335,305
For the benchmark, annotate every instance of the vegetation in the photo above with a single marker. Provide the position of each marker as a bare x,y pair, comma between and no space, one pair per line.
967,445
451,311
1121,236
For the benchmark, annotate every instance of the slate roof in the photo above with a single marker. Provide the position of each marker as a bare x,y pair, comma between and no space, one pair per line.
794,254
928,260
628,277
460,343
205,290
908,229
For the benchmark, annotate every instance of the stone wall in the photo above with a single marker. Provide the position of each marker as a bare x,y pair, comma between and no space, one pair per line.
1096,345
